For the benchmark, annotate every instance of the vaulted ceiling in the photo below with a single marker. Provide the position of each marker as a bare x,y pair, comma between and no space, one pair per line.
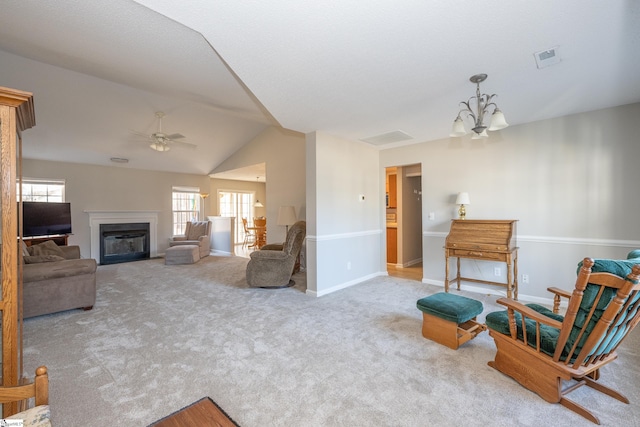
223,71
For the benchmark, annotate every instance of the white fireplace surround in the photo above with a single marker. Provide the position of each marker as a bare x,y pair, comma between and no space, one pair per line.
122,217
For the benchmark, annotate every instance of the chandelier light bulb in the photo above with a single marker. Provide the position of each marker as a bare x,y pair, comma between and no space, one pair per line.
483,104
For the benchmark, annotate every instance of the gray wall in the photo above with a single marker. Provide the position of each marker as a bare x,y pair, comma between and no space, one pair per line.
90,187
344,232
569,181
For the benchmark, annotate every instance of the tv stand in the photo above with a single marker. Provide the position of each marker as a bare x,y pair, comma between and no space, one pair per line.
59,239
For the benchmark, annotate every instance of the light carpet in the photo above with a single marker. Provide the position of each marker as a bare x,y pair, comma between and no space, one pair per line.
161,337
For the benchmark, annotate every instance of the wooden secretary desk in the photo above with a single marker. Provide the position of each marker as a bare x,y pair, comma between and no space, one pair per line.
484,240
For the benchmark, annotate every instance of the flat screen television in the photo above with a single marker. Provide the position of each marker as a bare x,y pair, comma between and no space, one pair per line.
45,218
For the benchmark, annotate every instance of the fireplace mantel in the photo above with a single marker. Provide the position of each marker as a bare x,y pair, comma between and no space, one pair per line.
120,217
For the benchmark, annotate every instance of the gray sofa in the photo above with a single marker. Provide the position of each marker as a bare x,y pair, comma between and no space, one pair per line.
63,284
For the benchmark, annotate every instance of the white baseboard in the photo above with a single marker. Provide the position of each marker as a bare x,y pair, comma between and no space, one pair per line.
479,289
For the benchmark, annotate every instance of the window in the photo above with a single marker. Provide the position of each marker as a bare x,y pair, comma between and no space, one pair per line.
185,207
42,190
237,205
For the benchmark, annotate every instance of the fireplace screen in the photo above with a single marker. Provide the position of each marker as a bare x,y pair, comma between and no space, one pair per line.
123,242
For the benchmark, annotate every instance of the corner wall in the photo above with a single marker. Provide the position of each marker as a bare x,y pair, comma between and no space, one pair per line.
283,151
344,239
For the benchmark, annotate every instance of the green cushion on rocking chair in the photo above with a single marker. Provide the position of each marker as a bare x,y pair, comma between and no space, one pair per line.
499,321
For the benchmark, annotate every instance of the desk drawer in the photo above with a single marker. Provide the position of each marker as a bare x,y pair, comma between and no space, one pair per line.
462,253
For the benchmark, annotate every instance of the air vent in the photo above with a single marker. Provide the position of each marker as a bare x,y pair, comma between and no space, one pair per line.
387,138
547,57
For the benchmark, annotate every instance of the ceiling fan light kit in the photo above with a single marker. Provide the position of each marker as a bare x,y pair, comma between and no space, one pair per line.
159,146
482,105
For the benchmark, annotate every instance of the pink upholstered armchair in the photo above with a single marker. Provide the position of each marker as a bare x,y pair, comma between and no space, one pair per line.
196,233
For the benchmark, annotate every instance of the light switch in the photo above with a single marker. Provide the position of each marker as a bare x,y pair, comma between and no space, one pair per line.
432,216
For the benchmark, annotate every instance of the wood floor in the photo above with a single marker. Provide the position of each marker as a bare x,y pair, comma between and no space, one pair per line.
201,413
413,272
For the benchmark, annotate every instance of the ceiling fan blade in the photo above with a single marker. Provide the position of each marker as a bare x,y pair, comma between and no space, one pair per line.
175,136
184,144
144,135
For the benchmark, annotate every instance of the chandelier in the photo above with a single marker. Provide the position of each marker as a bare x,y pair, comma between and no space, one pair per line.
482,104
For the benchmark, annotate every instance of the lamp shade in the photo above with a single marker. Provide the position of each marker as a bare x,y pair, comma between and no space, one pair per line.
458,128
463,199
286,215
498,121
257,204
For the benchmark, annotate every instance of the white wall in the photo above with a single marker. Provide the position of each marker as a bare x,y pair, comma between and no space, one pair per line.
283,152
569,181
344,235
90,187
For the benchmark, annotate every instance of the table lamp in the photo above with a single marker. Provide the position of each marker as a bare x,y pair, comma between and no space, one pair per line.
462,199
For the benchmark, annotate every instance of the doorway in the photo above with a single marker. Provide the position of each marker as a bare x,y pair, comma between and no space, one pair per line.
403,205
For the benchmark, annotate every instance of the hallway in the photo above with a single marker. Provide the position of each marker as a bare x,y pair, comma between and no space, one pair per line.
413,272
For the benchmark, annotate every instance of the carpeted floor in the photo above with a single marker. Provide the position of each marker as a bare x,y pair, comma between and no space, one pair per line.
161,337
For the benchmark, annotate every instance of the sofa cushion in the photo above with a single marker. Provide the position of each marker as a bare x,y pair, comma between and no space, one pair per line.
35,259
46,248
53,270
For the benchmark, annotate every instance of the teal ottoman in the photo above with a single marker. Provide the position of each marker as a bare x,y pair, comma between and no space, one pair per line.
450,319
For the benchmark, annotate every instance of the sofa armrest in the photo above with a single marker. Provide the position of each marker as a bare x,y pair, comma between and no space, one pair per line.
178,238
71,252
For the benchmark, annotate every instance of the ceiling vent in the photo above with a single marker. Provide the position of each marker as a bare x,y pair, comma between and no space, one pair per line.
387,138
547,57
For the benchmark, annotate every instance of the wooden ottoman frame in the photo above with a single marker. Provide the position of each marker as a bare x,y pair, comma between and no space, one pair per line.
442,329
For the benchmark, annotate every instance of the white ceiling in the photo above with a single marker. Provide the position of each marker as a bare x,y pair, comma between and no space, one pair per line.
225,70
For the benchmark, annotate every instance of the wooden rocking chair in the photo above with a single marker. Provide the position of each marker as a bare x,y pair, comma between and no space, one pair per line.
540,348
38,389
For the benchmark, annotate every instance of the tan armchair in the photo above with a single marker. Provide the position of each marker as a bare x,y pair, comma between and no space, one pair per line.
272,266
196,233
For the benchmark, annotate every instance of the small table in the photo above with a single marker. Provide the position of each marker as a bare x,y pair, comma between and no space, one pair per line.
204,412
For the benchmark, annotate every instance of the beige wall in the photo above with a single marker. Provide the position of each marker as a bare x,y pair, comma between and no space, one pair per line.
283,152
259,188
90,187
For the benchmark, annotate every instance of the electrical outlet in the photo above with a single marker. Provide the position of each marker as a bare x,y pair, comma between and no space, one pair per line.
349,265
497,272
525,278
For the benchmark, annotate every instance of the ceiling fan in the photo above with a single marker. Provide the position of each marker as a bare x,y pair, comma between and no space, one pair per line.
161,141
